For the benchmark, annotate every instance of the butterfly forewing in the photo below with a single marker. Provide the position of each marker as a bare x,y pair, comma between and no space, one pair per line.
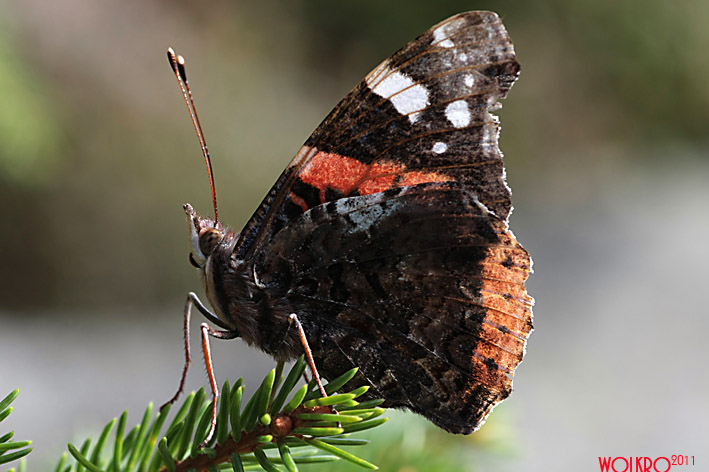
420,116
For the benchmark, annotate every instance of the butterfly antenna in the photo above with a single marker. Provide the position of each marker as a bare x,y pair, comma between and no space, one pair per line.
177,63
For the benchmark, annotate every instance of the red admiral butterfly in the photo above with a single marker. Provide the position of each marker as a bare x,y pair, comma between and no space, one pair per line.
387,236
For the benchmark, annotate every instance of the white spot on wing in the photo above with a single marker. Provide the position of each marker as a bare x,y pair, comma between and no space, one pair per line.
458,113
440,37
447,43
439,147
468,80
408,97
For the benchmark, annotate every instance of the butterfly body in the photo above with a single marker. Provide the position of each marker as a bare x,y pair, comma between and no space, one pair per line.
387,236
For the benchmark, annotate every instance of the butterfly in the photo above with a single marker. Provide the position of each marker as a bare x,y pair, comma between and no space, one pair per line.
386,238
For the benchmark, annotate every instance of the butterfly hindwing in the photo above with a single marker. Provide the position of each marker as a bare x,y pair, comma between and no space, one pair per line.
420,287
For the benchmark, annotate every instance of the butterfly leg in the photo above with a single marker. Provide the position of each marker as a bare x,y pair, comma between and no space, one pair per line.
207,351
186,334
192,299
293,318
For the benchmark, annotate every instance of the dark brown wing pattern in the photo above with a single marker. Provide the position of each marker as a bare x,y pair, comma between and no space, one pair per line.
421,287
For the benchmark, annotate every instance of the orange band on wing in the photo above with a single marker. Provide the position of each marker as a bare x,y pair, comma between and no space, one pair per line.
325,170
347,175
508,320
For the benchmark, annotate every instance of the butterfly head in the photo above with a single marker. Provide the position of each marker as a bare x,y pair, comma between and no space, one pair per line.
205,236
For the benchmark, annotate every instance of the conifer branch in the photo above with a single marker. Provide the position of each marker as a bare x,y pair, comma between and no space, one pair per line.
270,431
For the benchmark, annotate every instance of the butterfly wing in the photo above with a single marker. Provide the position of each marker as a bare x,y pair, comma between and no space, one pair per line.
421,116
387,233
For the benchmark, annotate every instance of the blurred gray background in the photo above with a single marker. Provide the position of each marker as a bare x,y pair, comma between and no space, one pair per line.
605,140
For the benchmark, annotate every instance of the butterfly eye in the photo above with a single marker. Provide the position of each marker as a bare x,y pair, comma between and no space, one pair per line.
208,240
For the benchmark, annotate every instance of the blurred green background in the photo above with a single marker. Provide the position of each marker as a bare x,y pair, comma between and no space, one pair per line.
606,150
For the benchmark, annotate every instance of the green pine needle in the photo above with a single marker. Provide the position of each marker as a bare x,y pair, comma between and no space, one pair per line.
248,415
264,462
182,412
202,429
235,416
329,401
13,456
364,425
98,448
5,402
13,445
286,456
330,417
191,420
152,439
118,445
336,451
5,413
81,459
318,431
62,460
85,447
265,392
346,441
236,464
366,404
222,431
296,400
166,456
289,384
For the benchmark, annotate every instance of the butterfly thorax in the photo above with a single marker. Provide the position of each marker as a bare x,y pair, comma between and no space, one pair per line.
240,301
